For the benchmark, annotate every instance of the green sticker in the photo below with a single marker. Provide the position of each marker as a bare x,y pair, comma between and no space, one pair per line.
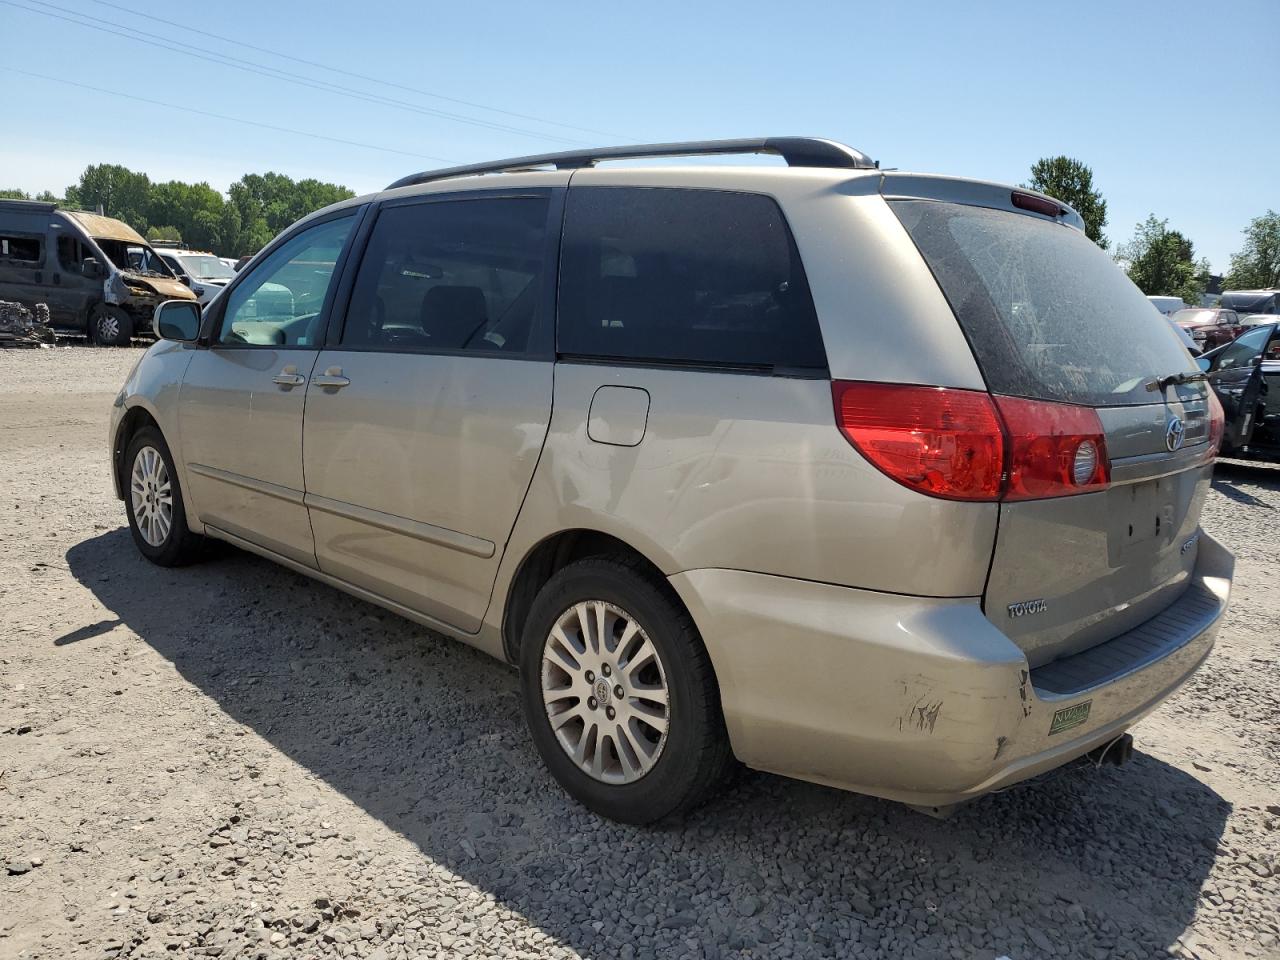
1069,717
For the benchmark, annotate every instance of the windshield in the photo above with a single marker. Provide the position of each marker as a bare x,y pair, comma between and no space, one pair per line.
1048,313
1195,316
205,266
133,258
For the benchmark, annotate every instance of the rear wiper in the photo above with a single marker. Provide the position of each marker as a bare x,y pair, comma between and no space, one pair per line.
1174,380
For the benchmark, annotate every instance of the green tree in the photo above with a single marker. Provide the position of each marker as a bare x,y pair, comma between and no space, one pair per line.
163,233
1257,265
14,194
119,191
194,208
1071,182
269,202
1162,262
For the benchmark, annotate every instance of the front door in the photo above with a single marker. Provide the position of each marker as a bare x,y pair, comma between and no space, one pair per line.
1236,377
240,409
427,412
72,290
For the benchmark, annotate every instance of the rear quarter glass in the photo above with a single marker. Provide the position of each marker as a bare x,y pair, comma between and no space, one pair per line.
1048,314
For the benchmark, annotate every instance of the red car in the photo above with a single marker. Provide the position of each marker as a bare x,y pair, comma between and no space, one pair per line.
1208,327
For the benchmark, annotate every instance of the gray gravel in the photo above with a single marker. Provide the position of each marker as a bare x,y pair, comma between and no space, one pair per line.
232,761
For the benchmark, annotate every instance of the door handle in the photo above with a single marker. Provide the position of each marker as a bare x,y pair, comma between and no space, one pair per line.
289,377
331,378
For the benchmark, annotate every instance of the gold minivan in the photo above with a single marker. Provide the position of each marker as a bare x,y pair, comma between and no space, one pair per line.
880,480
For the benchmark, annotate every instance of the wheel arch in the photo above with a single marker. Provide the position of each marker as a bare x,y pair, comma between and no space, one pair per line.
549,555
135,418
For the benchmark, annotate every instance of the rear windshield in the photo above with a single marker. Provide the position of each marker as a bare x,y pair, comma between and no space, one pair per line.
1047,312
1250,302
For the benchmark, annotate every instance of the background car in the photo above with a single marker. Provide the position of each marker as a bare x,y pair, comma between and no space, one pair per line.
1258,319
204,273
1251,301
1209,328
1169,305
1245,374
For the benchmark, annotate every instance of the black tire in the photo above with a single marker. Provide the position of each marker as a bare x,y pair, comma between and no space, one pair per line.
179,546
695,755
109,326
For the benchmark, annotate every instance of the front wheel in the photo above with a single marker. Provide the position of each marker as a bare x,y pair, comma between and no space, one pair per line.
619,694
110,326
153,502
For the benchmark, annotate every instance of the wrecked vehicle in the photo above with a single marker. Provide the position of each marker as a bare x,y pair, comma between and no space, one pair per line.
97,275
20,327
1245,375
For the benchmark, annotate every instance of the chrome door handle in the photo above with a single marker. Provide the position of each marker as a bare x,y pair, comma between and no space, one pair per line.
332,378
289,377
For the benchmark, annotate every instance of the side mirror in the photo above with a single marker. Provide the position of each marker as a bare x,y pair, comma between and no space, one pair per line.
185,279
90,267
1204,363
177,320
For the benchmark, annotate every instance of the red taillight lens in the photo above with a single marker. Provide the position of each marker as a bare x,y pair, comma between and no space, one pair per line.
1217,424
943,442
1029,201
968,445
1055,449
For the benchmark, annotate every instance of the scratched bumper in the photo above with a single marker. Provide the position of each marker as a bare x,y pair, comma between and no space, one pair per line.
915,699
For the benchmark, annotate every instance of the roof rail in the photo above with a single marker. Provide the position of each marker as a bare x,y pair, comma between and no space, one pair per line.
797,151
28,206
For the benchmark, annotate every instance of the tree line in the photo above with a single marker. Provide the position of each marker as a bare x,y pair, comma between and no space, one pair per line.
1160,260
255,209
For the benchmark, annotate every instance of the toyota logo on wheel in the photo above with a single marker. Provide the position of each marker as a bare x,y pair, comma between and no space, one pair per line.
1174,434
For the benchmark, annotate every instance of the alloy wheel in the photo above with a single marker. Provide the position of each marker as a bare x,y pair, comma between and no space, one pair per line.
152,496
605,691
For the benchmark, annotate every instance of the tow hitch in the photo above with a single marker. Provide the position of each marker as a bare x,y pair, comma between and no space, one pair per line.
1117,752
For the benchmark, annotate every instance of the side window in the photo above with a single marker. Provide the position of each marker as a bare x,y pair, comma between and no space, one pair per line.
17,248
451,275
693,276
1246,349
71,253
280,302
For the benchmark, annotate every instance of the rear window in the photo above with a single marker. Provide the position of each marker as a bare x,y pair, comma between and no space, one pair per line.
684,276
1048,314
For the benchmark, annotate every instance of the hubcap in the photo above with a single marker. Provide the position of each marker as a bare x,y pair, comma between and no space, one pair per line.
152,496
605,692
108,326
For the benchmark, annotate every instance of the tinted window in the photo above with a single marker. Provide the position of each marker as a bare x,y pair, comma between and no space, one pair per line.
21,249
280,302
1047,312
71,253
451,275
684,275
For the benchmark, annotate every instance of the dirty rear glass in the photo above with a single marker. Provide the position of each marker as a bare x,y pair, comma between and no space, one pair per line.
1047,312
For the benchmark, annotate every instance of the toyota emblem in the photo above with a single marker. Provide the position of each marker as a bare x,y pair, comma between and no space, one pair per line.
1174,434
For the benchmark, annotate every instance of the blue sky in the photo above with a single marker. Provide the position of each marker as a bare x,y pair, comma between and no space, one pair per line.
1174,105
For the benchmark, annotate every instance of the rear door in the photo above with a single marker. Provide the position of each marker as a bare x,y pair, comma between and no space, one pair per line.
427,411
1051,318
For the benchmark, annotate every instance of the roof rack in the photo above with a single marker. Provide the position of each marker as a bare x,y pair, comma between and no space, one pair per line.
796,151
28,206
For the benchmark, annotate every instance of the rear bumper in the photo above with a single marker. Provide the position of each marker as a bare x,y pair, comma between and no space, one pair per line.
921,699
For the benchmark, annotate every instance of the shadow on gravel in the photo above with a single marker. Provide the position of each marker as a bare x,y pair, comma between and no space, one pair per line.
426,735
1230,476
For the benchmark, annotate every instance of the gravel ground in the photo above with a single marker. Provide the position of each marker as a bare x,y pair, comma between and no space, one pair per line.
230,760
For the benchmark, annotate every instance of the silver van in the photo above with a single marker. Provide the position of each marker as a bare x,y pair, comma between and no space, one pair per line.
881,480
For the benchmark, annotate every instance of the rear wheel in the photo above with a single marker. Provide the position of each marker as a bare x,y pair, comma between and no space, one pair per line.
619,693
110,326
153,502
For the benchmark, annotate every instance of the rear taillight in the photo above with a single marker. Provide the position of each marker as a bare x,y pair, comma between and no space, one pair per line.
943,442
1055,449
968,445
1217,424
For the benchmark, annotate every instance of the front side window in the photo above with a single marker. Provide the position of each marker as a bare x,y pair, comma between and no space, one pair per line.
281,302
451,275
71,253
17,248
684,276
1245,349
